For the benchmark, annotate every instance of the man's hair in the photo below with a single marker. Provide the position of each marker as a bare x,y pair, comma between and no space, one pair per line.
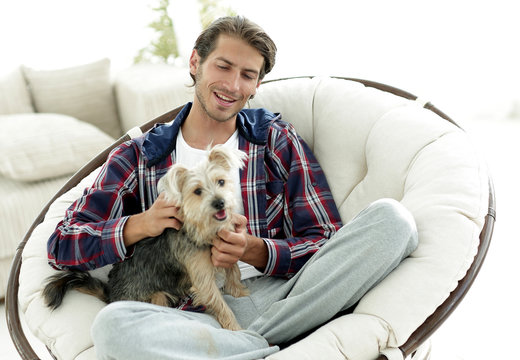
241,28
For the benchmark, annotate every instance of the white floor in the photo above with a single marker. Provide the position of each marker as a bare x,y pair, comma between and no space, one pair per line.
484,326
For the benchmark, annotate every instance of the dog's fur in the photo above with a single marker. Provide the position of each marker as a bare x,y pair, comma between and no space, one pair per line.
168,268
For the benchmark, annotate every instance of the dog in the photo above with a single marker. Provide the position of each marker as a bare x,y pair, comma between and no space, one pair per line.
166,269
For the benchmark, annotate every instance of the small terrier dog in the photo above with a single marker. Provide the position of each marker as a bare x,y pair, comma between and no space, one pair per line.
176,264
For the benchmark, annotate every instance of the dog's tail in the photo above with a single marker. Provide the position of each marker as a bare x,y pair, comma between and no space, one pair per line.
57,285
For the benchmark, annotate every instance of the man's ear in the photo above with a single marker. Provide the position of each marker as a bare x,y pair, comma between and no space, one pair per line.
252,96
194,62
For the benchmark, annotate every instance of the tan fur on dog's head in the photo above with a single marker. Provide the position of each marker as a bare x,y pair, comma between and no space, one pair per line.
204,193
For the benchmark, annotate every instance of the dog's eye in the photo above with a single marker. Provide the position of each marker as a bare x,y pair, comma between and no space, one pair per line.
198,191
221,182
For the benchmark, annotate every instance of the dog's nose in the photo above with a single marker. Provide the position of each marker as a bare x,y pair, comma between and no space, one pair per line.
218,204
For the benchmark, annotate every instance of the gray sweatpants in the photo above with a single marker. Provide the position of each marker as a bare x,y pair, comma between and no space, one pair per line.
354,260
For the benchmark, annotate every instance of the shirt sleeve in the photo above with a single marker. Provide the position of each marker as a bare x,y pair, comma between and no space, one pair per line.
309,216
91,233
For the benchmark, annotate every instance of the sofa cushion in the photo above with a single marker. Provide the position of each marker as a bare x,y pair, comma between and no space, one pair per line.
145,91
56,145
14,95
84,92
21,203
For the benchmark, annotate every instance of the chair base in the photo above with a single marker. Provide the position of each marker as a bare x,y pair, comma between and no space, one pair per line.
423,352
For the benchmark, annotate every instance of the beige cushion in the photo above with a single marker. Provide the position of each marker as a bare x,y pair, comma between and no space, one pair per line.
84,92
41,146
371,144
14,95
21,203
66,331
146,91
353,337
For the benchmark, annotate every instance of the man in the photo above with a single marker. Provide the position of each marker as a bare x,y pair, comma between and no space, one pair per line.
287,215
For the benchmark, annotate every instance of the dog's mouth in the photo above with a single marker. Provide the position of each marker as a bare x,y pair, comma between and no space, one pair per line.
221,215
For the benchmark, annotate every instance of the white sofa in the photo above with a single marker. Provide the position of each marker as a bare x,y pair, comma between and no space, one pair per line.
53,121
371,144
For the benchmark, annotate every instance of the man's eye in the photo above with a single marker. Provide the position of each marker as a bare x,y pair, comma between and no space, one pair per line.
221,182
198,191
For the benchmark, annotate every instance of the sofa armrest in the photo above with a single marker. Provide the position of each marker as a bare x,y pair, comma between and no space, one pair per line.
146,91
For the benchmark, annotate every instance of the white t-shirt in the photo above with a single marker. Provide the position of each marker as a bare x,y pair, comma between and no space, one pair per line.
189,157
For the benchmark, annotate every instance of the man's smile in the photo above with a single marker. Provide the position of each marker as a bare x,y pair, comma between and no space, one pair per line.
223,100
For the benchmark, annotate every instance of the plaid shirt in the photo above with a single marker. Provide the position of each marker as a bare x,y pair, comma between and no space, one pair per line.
286,197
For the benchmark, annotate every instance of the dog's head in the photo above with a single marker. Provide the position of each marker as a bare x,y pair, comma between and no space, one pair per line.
204,193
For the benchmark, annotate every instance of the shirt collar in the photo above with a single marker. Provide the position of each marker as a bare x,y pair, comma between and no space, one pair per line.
252,124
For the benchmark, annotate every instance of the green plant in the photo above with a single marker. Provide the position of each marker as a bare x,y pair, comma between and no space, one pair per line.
211,10
164,48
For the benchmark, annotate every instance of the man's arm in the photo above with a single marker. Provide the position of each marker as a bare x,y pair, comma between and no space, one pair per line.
303,216
91,232
310,209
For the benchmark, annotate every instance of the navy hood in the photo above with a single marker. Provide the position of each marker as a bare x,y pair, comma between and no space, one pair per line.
158,143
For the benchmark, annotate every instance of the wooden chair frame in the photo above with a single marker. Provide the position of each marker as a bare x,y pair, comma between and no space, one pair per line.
430,325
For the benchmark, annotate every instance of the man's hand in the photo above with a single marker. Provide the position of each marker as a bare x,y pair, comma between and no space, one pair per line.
231,246
152,222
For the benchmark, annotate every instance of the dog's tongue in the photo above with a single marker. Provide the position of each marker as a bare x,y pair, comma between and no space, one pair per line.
221,215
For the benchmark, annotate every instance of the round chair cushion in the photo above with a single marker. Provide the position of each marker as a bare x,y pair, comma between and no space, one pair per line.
371,144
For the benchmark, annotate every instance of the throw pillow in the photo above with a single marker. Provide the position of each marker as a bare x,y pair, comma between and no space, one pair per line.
41,146
14,95
84,92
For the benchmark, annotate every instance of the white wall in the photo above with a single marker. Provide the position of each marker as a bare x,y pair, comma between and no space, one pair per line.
463,55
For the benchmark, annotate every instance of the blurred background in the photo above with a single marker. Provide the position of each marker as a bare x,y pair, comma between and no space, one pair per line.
463,56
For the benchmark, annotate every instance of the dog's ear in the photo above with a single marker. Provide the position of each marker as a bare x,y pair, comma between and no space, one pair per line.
226,157
172,182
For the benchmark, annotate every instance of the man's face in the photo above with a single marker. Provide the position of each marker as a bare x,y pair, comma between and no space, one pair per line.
227,79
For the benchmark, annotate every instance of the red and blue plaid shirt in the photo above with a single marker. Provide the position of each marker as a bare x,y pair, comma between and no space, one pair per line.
286,198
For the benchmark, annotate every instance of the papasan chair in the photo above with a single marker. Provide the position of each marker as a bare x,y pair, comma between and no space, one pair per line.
373,141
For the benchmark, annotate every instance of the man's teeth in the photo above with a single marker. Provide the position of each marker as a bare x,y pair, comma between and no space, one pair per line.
223,97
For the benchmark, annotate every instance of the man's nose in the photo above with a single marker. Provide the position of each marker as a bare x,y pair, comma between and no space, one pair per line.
233,82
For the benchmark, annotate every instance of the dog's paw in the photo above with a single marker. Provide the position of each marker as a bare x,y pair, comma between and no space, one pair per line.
227,319
231,325
242,291
235,328
235,289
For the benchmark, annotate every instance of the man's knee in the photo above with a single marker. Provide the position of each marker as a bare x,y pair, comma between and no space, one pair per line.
397,223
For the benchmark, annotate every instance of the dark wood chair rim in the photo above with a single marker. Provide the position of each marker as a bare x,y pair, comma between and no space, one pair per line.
430,325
